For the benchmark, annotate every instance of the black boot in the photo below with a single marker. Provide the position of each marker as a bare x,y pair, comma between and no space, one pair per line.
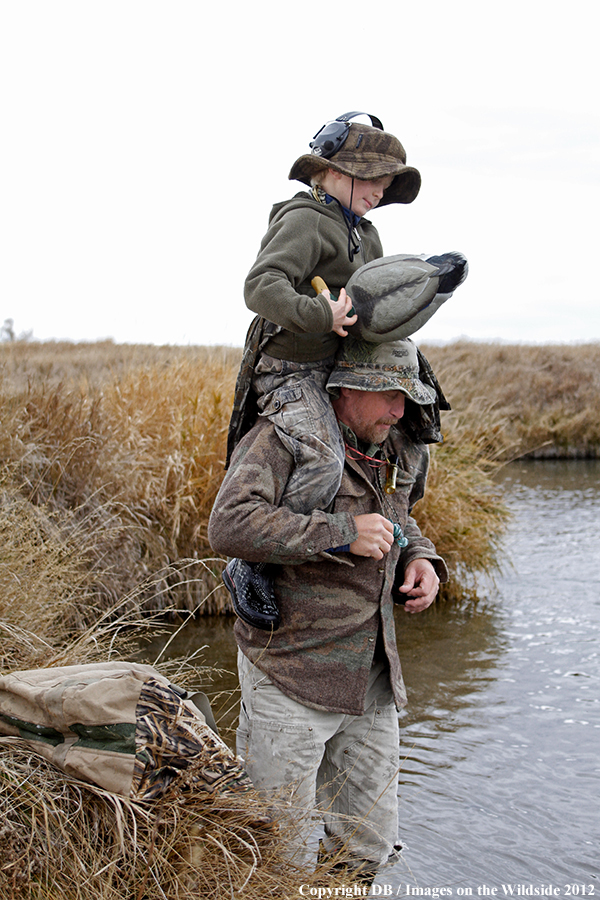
252,593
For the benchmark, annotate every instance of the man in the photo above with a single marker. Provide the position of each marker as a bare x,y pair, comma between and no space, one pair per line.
320,694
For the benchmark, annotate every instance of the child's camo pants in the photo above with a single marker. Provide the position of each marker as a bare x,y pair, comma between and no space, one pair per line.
293,396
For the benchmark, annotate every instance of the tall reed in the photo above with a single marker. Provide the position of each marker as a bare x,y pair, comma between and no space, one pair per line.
110,460
538,400
135,459
129,442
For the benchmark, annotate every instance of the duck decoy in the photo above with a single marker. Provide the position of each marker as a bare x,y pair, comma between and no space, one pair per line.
396,295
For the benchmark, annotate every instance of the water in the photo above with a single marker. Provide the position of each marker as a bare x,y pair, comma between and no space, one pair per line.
500,779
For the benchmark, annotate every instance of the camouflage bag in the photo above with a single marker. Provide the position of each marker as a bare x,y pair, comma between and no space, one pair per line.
121,726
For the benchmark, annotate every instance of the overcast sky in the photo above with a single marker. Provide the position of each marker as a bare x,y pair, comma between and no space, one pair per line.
144,143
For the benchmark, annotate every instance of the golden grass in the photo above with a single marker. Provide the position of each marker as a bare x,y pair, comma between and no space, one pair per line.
110,459
126,444
133,451
537,400
62,838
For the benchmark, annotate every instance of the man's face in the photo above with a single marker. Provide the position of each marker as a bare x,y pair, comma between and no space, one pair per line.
370,414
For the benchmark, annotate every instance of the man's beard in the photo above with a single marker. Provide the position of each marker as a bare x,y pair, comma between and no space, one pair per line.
374,433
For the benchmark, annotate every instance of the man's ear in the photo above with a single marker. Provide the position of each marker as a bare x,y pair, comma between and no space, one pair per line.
342,401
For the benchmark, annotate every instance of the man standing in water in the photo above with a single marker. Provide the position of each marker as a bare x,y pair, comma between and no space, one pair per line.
320,695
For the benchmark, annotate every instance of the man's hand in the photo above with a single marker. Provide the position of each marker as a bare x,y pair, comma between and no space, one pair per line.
421,584
375,536
340,309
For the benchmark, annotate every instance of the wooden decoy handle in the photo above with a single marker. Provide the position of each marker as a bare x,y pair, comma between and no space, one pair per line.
318,284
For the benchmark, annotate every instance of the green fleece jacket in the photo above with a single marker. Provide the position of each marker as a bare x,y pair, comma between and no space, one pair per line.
305,238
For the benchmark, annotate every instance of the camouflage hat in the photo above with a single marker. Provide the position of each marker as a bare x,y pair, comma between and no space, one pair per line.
367,153
393,366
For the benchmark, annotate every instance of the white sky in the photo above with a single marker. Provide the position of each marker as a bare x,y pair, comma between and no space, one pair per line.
144,143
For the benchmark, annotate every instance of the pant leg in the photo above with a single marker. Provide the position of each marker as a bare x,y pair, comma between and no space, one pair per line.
283,743
293,397
358,780
344,766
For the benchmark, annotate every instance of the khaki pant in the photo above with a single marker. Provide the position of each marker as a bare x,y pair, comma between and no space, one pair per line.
346,767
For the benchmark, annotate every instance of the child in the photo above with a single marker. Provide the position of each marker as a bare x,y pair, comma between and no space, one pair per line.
291,348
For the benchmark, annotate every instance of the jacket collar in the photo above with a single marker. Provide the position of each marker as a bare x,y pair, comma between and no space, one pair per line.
375,451
323,197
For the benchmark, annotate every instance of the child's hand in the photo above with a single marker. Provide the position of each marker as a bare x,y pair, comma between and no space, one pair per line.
340,309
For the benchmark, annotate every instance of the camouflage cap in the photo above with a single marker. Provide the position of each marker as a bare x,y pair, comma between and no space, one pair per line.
393,366
367,153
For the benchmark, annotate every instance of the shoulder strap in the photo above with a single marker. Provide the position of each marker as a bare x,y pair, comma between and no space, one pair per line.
245,409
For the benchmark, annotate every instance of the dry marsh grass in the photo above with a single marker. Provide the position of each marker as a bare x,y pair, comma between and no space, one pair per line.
131,449
62,838
126,444
110,459
536,400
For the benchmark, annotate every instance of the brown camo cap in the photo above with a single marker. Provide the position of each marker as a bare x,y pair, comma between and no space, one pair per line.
367,153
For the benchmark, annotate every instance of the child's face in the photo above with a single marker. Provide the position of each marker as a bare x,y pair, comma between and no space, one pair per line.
365,195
